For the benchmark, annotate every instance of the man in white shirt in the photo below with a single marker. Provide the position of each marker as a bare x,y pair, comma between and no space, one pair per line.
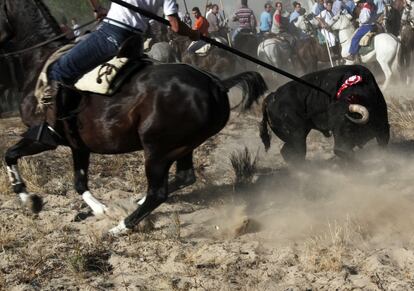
326,18
104,43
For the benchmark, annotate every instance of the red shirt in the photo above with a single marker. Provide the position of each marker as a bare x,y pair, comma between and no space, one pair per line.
201,24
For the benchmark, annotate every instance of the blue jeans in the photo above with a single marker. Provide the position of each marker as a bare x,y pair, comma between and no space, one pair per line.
364,29
99,47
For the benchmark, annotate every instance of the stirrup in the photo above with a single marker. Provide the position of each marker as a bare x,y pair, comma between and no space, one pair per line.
44,134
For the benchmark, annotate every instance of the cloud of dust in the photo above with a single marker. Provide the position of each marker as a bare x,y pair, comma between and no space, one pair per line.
371,203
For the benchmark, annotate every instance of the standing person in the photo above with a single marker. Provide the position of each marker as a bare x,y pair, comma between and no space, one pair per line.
209,7
214,21
278,25
366,24
184,17
350,6
75,27
337,7
326,18
319,6
246,19
201,25
296,12
266,19
103,44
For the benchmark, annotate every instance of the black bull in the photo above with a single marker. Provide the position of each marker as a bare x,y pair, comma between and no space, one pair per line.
294,109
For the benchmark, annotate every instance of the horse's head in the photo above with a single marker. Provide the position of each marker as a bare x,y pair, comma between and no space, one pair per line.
6,31
306,23
26,22
343,22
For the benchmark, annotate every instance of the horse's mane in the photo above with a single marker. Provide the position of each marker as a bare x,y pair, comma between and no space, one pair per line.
41,15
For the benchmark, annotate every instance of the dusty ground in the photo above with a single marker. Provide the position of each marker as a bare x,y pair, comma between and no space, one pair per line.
325,227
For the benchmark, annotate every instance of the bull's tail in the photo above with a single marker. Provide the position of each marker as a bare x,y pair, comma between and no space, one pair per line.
252,85
264,131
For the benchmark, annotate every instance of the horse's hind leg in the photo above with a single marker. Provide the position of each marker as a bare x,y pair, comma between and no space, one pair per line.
184,175
81,166
24,147
157,176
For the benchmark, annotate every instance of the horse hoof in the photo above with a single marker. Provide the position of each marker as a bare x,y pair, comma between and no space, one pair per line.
119,230
32,202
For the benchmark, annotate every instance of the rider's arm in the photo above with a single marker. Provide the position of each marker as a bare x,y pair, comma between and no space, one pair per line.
364,16
99,10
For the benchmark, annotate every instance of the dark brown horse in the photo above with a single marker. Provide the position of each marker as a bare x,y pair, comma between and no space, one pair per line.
165,110
309,52
216,61
248,43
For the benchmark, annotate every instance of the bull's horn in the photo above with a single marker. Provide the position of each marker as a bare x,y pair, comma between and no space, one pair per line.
356,108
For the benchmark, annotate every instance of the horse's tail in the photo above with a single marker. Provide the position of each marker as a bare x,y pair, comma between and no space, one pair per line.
252,84
264,131
397,64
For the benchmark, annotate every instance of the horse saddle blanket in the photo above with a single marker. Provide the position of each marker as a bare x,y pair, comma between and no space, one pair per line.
107,78
366,39
203,51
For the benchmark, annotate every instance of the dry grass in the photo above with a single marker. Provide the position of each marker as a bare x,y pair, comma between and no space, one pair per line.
5,186
32,174
244,166
8,238
329,251
401,114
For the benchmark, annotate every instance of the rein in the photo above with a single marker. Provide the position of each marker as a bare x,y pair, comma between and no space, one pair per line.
224,47
46,42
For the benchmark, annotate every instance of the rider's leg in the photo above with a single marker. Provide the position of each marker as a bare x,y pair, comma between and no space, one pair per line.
100,46
354,48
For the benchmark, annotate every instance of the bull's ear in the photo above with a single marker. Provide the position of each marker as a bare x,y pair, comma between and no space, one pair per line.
336,113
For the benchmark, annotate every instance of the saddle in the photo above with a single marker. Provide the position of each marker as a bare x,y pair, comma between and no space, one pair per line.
366,39
105,79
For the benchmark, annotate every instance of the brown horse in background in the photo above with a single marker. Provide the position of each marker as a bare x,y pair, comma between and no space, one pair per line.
165,110
216,61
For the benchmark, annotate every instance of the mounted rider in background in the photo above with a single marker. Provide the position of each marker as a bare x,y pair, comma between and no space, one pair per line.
201,25
366,25
246,19
104,43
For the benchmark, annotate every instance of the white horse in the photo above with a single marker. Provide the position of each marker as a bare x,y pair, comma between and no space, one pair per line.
386,46
277,52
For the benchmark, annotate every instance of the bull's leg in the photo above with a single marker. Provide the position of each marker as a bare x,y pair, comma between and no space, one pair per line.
81,166
157,176
184,175
294,150
24,148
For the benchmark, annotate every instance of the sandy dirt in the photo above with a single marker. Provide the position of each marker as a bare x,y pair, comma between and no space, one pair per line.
326,226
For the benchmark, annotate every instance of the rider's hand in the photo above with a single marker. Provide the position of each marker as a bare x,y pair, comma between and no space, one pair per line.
100,13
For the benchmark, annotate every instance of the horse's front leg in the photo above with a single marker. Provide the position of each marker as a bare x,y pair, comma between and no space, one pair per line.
157,193
24,147
81,166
